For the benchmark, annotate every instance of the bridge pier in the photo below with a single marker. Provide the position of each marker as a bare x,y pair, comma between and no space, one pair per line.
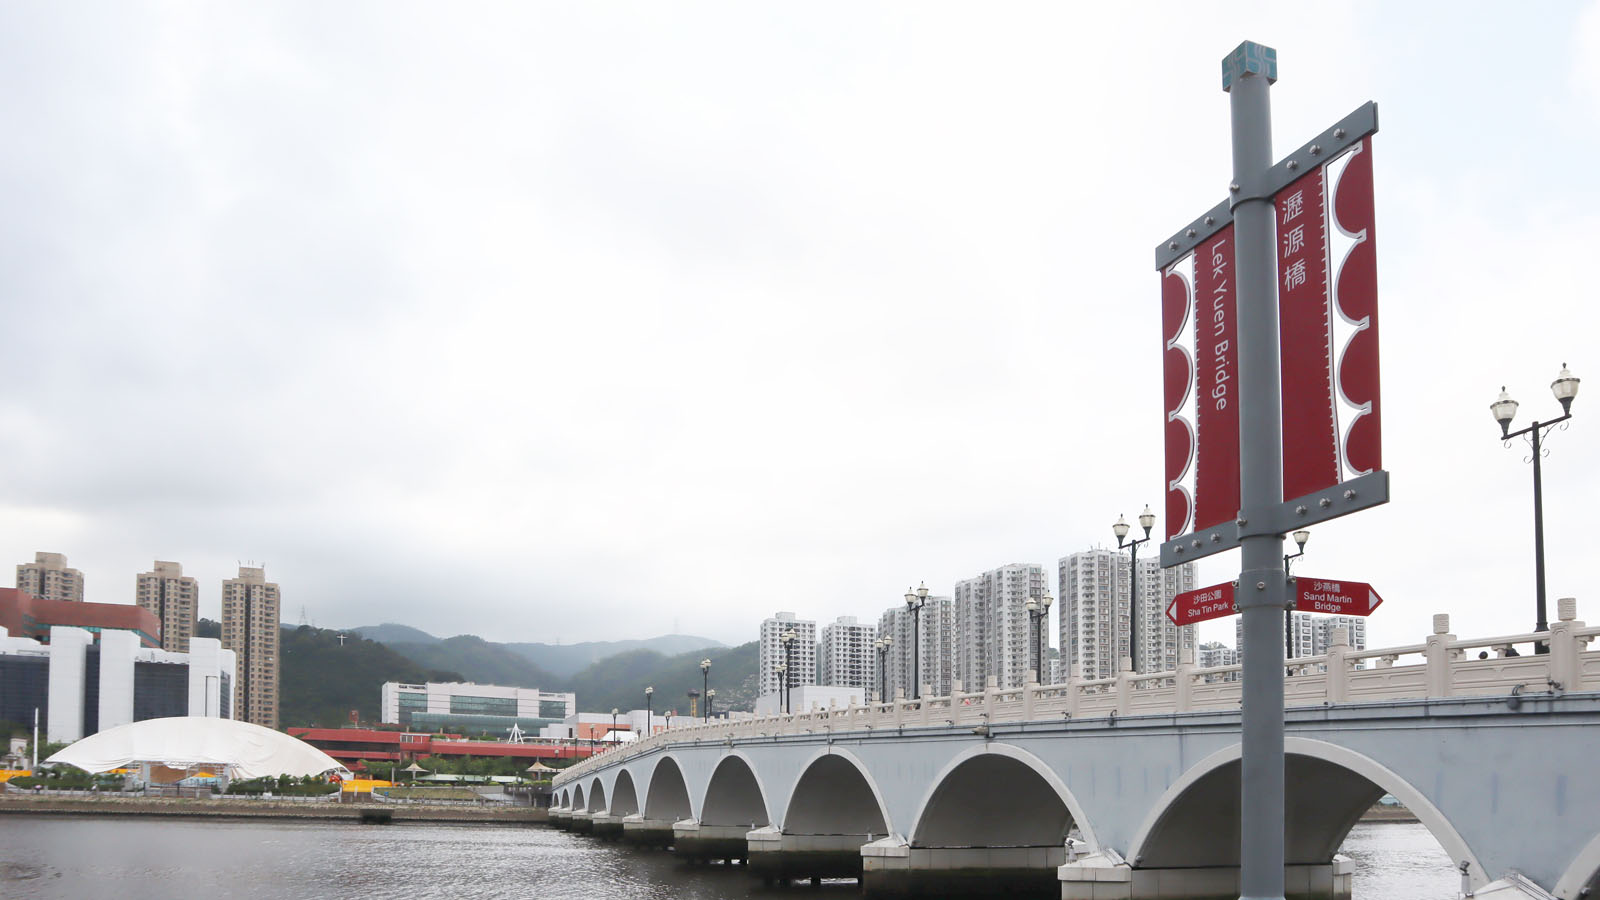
581,822
777,856
607,827
558,817
893,868
701,843
1099,877
641,832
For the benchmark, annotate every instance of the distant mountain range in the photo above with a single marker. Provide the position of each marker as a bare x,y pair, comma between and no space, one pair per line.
560,660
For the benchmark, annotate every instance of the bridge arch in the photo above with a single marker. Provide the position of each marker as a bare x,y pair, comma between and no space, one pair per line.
667,796
597,796
1196,821
1582,878
735,795
577,798
997,795
835,794
624,796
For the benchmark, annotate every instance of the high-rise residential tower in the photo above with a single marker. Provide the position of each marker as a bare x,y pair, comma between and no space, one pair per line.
172,596
934,647
992,631
1309,634
1095,594
802,654
250,627
845,657
48,577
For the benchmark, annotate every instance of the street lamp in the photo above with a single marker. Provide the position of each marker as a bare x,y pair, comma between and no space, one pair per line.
1300,538
710,696
788,663
883,644
647,694
1147,521
613,726
1565,387
783,683
915,601
705,679
1038,611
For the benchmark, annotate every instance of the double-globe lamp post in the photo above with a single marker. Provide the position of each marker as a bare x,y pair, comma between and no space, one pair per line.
648,693
1565,388
882,645
1038,610
710,696
705,679
915,601
1300,538
1147,521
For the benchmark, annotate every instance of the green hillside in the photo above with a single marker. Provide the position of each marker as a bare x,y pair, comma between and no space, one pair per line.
324,680
619,681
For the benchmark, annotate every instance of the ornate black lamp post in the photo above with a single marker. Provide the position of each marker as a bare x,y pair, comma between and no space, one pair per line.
710,696
1147,521
648,693
788,665
1565,387
1038,611
882,645
1300,538
915,601
705,679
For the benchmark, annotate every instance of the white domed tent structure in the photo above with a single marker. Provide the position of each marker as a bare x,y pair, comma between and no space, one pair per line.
185,742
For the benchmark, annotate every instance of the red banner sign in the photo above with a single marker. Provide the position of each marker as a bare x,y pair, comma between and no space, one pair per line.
1216,340
1357,300
1340,598
1212,602
1305,338
1328,348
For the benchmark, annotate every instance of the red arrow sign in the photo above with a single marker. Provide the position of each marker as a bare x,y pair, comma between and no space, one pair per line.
1342,598
1212,602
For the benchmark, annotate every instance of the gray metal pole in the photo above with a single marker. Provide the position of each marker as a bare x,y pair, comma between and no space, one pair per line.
1261,582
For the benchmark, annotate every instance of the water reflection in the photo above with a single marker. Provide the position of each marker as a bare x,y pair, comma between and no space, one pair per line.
156,859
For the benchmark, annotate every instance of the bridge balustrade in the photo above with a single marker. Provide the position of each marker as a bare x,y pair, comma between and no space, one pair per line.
1442,666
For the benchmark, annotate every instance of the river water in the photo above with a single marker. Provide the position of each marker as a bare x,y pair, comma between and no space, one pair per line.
49,857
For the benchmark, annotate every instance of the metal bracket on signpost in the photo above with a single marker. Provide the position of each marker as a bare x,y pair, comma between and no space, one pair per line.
1341,499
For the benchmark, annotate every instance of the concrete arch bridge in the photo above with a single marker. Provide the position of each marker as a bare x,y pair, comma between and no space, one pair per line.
1129,787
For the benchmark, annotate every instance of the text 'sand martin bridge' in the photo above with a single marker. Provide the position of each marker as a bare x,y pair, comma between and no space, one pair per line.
1129,787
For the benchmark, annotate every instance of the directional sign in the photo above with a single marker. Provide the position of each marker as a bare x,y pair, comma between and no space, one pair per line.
1341,598
1212,602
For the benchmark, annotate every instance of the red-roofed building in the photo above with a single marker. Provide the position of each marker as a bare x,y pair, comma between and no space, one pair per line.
24,615
350,745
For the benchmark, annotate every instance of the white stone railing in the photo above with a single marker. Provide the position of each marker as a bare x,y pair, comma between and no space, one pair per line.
1442,666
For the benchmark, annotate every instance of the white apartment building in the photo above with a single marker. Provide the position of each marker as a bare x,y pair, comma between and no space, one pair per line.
845,656
1309,634
1215,653
172,596
802,655
934,647
1096,590
993,635
49,577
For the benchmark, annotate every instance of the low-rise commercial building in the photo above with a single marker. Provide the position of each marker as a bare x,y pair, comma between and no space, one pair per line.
475,708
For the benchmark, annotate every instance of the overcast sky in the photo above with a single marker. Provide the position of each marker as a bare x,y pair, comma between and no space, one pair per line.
581,321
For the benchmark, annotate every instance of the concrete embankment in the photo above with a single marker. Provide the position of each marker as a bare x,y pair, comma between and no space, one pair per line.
266,809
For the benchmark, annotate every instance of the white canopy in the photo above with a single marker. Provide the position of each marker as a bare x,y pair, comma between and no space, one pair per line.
182,741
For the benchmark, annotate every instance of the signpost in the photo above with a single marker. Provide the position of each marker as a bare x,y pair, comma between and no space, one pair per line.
1339,598
1203,604
1254,382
